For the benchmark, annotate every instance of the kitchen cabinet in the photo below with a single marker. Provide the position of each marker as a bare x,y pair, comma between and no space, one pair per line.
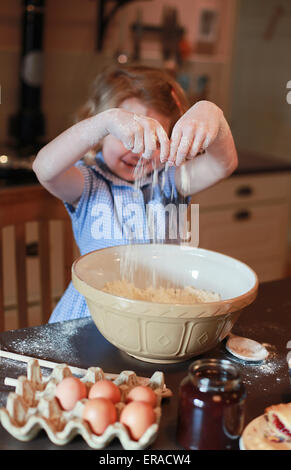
246,216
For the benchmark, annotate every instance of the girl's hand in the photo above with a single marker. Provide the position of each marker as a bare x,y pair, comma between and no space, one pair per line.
139,134
196,130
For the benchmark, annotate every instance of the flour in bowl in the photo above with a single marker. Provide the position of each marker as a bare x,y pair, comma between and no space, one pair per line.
187,295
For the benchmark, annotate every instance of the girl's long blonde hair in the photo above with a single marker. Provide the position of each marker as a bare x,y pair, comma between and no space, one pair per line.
155,87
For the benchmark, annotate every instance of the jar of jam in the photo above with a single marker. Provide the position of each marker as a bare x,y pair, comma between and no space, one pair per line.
211,406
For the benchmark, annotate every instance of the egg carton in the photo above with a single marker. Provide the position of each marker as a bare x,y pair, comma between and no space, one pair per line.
33,407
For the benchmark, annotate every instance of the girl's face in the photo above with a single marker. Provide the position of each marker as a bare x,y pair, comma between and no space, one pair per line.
121,161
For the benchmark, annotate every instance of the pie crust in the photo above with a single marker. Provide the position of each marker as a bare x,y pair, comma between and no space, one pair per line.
278,418
256,437
269,431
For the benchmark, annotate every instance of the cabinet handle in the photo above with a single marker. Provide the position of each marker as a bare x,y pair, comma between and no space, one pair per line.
242,215
32,250
244,191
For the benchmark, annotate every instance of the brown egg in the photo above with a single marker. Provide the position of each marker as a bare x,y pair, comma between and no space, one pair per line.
99,413
69,391
105,389
142,393
137,417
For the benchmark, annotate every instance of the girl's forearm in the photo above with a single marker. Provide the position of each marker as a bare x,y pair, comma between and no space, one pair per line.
223,150
66,149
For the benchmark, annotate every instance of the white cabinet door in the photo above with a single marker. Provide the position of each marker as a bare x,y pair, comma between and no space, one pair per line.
256,235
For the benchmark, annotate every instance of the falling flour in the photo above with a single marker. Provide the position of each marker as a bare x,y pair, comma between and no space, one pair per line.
128,263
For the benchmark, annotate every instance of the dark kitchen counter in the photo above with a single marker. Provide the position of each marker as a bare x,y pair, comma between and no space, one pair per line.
79,343
16,171
251,163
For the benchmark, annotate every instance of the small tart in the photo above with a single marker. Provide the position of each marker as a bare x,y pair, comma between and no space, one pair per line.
257,437
279,421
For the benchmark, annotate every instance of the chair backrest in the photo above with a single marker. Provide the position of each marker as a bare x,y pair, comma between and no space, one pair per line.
18,207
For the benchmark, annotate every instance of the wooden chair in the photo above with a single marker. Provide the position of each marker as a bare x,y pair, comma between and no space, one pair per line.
19,206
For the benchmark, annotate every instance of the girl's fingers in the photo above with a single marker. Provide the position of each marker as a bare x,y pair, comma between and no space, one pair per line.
150,142
138,140
211,136
149,135
198,141
185,145
207,141
175,142
164,143
128,141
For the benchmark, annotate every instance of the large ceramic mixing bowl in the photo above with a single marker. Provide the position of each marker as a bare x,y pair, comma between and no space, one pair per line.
158,332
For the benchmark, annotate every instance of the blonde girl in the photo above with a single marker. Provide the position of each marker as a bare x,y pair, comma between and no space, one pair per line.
135,115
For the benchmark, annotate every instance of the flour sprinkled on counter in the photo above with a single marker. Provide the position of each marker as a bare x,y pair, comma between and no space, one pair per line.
43,342
273,366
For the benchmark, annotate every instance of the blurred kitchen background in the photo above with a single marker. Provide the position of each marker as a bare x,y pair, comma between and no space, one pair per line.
235,53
